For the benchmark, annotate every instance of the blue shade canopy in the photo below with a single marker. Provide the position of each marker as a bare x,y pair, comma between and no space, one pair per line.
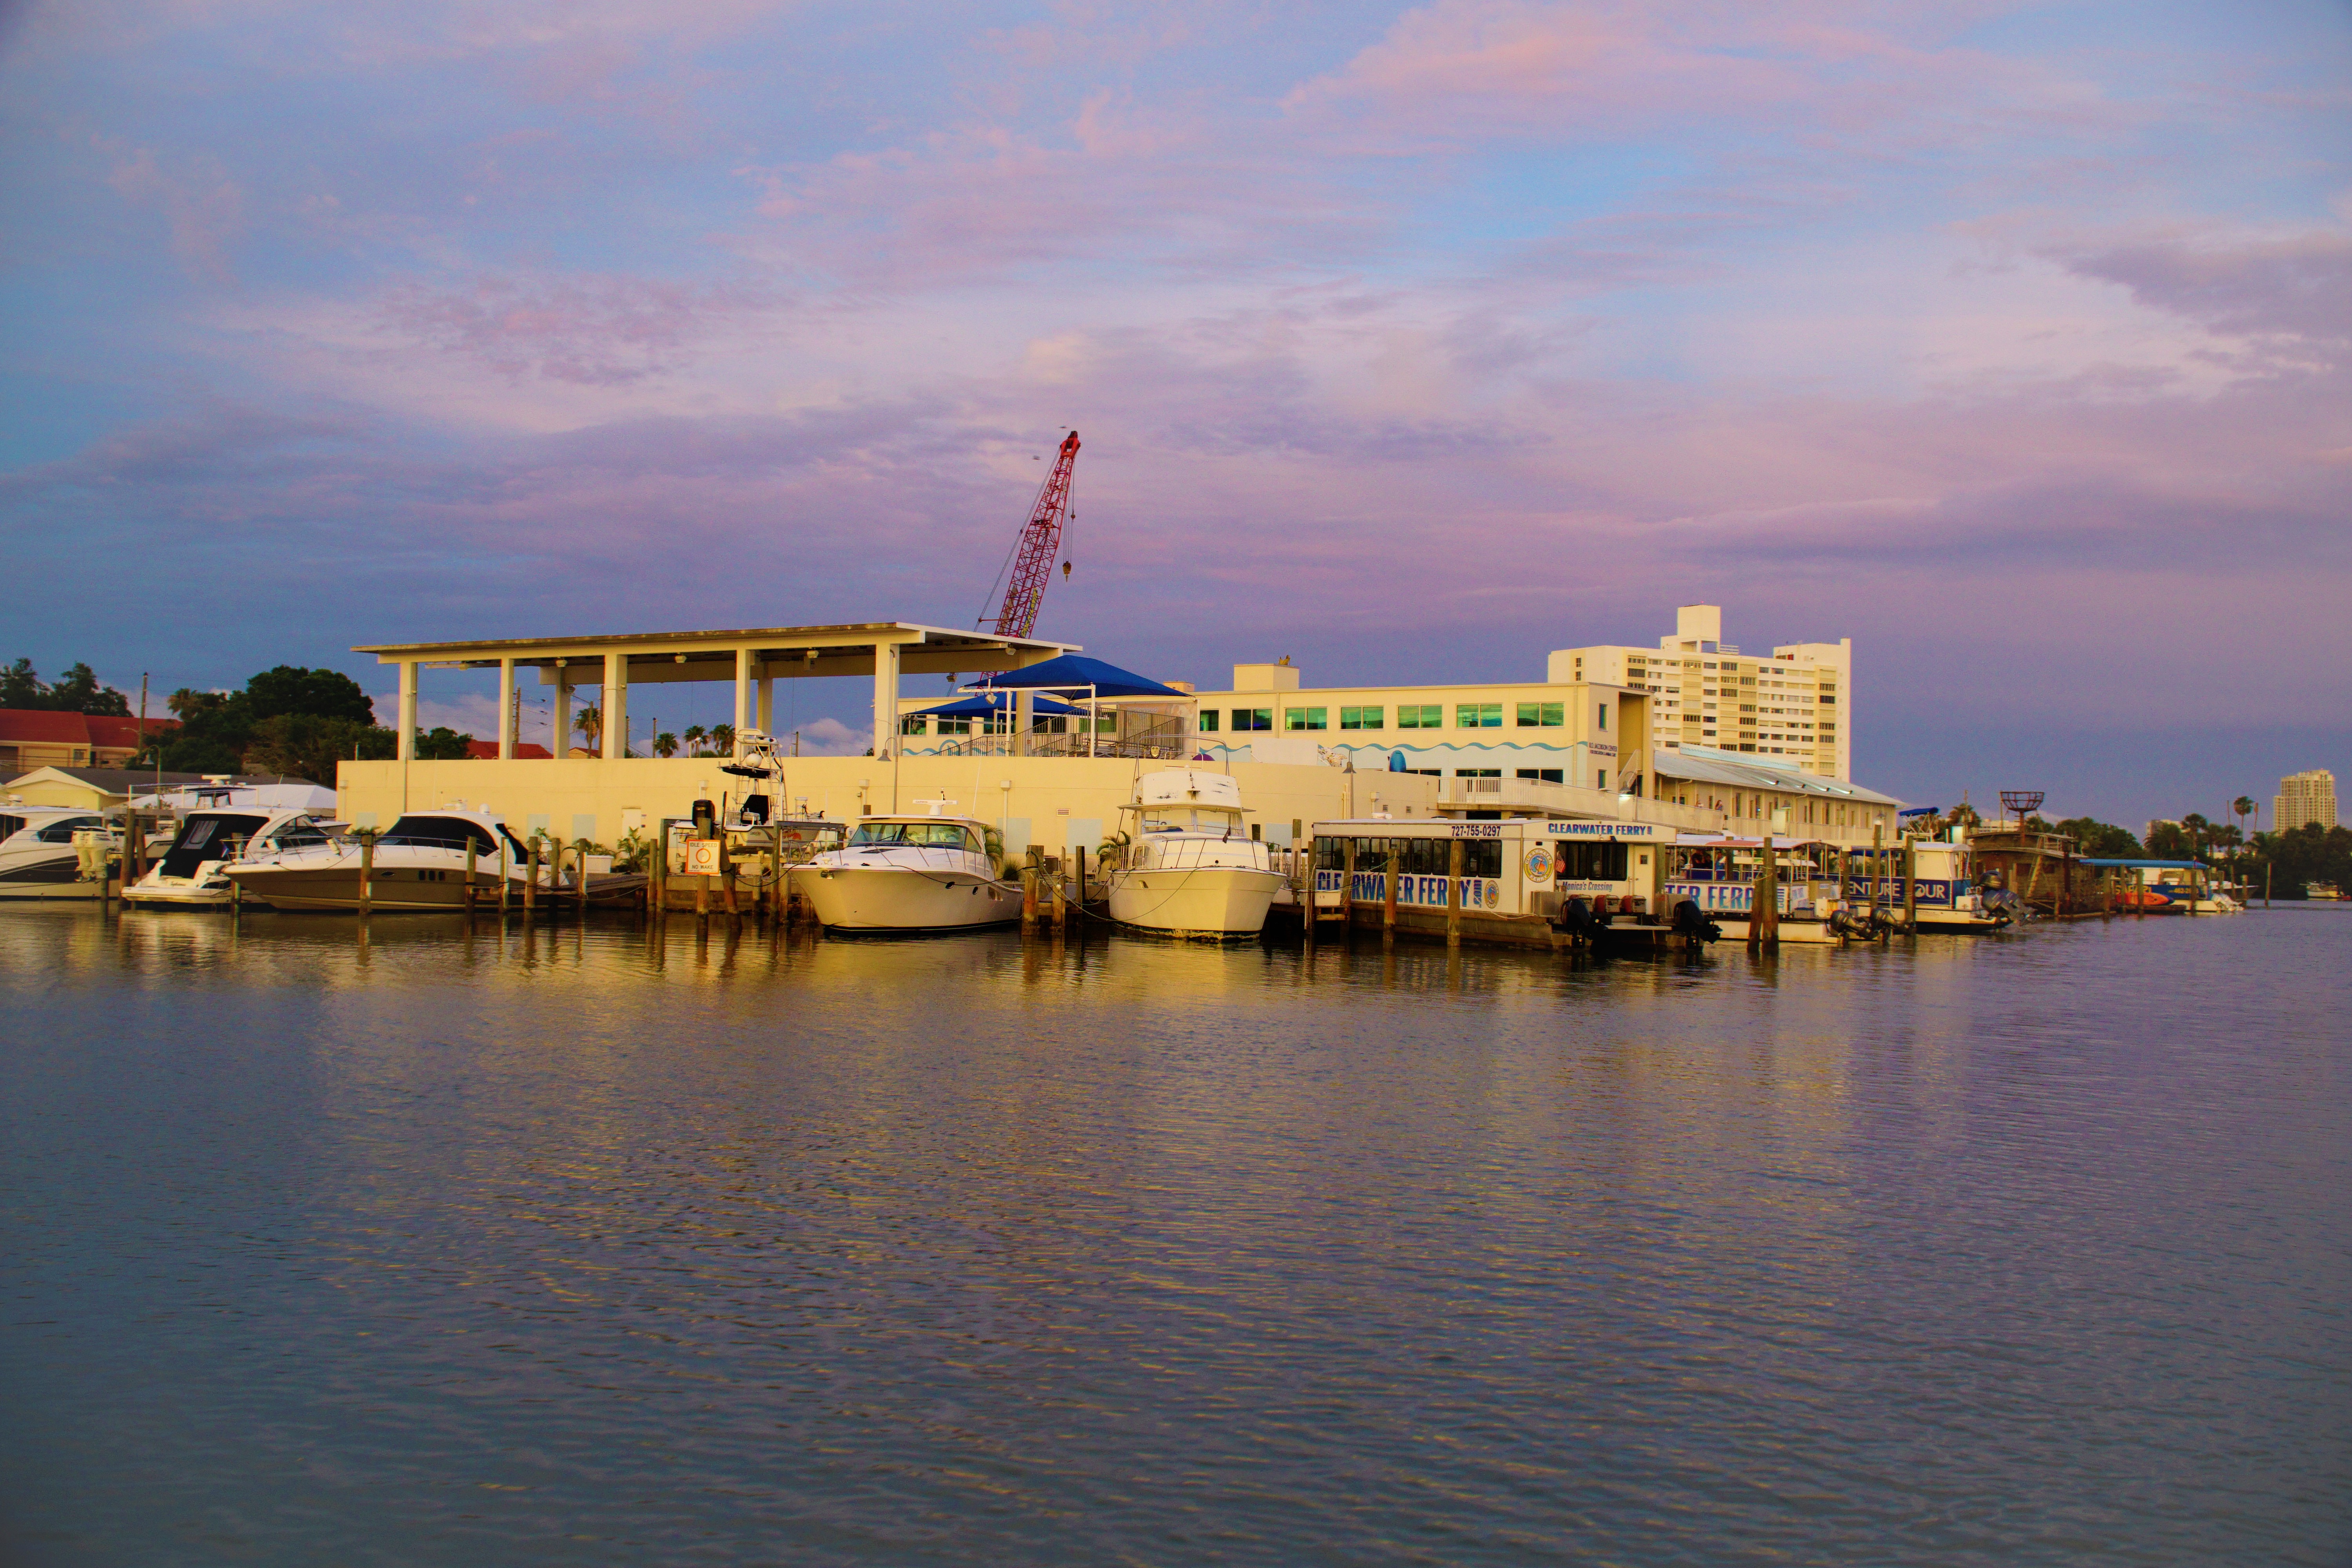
983,703
1075,672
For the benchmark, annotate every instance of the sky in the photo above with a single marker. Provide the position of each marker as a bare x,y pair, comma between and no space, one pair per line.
1409,342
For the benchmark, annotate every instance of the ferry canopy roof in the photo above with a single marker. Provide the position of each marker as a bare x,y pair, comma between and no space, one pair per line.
1074,672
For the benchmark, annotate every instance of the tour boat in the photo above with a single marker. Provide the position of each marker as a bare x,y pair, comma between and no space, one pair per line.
911,874
419,863
39,858
1719,874
191,872
1188,864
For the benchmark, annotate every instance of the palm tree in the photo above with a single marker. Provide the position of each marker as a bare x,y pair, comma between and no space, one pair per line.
694,734
591,724
722,739
665,745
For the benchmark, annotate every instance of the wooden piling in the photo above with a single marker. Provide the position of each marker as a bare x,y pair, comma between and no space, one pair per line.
1028,900
530,878
1347,885
1910,885
1389,897
1454,893
1307,895
502,878
1764,903
467,901
1877,864
367,868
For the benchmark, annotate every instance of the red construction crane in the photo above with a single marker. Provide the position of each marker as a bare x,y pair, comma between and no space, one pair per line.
1040,541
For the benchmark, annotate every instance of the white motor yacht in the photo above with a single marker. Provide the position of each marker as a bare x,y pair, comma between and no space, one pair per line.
1189,865
911,874
39,857
419,863
191,873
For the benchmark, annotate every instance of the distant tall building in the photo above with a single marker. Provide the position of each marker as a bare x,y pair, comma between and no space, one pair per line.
2305,800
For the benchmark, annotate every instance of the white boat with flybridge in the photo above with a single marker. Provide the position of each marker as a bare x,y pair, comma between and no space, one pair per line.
192,873
1184,863
418,863
926,873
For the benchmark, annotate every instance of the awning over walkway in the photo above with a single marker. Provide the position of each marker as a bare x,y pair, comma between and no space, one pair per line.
1075,673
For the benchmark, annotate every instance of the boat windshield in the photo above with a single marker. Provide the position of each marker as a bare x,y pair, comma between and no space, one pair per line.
440,833
1192,819
62,830
915,835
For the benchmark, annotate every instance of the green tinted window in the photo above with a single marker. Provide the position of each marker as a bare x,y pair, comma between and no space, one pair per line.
1422,716
1361,717
1547,715
1306,718
1478,716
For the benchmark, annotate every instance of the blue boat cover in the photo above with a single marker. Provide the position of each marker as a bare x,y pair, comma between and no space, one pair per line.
981,704
1075,673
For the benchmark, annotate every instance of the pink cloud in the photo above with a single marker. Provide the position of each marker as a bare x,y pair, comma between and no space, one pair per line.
593,330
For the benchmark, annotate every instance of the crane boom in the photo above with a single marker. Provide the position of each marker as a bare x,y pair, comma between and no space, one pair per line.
1040,541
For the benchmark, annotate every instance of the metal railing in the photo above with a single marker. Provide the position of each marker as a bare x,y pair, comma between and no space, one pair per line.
1167,739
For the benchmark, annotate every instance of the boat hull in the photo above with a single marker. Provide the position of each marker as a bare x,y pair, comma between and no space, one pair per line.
1219,901
890,898
389,889
156,891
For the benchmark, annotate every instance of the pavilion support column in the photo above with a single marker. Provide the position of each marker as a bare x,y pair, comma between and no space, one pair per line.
767,704
505,710
742,696
885,699
407,711
1025,719
559,743
616,705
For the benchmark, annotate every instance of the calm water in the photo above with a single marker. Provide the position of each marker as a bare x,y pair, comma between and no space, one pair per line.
570,1249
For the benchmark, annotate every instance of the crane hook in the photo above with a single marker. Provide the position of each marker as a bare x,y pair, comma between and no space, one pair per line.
1065,570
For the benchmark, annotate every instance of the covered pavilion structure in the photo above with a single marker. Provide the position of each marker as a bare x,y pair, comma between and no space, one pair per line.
753,659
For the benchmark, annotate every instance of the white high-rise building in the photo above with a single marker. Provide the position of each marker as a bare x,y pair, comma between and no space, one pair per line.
2305,800
1797,705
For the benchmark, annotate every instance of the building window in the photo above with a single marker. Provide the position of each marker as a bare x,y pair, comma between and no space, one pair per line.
1544,775
912,725
1208,720
1477,715
955,726
1600,778
1423,716
1605,717
1252,717
1477,772
1547,715
1361,717
1306,718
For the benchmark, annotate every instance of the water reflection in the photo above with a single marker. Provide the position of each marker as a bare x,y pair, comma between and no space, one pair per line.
714,1240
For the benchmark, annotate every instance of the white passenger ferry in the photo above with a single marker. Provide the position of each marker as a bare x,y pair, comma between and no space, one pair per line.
1514,880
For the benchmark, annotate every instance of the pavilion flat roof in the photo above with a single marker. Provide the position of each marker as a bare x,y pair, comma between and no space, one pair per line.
849,635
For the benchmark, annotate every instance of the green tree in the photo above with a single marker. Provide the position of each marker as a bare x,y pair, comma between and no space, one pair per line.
443,744
77,691
694,737
325,693
722,740
591,724
308,746
2100,840
665,744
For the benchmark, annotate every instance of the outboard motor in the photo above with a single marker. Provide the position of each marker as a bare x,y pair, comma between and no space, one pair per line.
1692,921
706,819
1576,919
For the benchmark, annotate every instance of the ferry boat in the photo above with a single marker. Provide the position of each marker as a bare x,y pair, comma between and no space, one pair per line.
49,852
2167,887
191,872
1188,866
911,874
1719,873
1948,901
1521,881
419,863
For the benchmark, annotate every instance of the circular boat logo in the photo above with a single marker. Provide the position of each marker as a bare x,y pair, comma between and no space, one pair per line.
1494,895
1540,864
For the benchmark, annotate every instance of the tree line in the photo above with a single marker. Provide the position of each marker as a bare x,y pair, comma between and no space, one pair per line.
2289,863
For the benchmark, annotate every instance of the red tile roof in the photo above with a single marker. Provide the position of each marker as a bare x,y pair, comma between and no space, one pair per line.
489,750
42,726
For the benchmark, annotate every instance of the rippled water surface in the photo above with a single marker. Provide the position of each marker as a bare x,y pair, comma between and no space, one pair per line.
578,1246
